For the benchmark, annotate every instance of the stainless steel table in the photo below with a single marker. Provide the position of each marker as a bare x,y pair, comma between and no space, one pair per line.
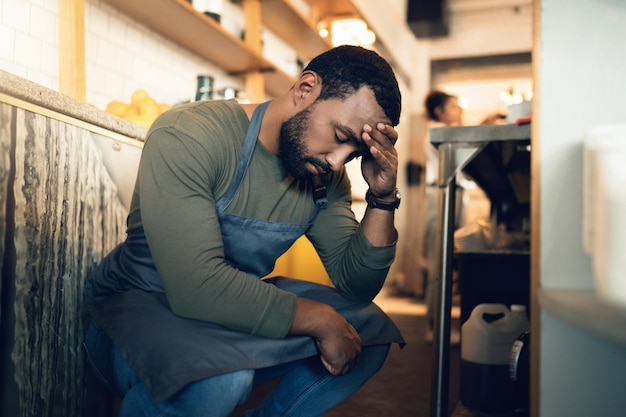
456,146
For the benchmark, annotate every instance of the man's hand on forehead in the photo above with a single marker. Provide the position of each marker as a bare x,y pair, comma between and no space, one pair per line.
380,169
383,133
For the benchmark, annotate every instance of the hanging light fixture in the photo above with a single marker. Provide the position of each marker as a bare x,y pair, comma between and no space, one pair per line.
322,29
346,31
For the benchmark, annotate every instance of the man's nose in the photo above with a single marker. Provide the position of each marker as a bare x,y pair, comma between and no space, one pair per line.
338,159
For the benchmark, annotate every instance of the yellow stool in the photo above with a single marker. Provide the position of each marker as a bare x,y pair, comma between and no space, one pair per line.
302,262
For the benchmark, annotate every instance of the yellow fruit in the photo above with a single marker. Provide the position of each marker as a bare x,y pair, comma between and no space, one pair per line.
149,107
131,112
138,96
117,108
142,109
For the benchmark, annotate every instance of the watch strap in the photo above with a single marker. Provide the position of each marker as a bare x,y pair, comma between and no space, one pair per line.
375,202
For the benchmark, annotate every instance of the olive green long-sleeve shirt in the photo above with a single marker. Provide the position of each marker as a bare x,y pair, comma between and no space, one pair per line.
189,159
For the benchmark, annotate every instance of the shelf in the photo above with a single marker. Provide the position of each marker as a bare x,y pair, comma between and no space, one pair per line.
327,8
179,21
298,32
586,310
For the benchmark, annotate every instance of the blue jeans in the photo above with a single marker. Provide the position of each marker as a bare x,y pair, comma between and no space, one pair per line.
305,388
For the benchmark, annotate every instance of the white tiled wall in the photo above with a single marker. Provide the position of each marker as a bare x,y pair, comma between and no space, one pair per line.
29,40
121,54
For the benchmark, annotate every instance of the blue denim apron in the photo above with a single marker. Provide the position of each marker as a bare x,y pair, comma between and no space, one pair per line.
166,351
253,245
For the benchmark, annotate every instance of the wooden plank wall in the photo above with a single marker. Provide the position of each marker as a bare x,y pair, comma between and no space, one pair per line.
61,216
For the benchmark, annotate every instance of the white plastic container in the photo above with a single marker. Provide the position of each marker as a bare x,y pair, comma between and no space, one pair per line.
486,341
515,111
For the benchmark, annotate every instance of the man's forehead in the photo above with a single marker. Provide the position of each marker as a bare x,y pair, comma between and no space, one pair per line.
357,109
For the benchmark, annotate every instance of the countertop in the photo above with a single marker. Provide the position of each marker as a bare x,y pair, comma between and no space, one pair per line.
479,134
501,167
28,91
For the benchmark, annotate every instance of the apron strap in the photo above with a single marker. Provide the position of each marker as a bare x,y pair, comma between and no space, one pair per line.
246,155
319,192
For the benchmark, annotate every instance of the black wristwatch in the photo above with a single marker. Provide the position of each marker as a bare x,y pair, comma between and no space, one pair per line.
375,202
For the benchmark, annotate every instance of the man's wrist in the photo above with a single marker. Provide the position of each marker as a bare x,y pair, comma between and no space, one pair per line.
389,202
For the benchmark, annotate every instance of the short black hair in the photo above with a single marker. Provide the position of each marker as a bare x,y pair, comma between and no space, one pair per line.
345,69
434,100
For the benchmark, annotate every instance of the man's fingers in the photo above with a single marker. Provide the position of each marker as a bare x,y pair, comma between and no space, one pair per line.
388,131
384,135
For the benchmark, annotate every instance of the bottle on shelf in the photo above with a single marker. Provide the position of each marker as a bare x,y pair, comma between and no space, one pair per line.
227,93
211,8
204,89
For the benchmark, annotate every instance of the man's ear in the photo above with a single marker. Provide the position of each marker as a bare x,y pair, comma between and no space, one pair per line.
438,111
308,83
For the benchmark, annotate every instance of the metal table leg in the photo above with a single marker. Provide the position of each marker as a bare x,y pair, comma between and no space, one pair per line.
452,158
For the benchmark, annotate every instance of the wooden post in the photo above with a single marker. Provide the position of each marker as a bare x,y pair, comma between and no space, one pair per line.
72,48
255,84
535,216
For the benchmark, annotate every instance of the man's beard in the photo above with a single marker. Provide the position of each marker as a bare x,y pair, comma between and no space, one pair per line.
292,148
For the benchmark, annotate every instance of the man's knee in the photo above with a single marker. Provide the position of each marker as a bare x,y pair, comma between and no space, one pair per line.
242,382
233,387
